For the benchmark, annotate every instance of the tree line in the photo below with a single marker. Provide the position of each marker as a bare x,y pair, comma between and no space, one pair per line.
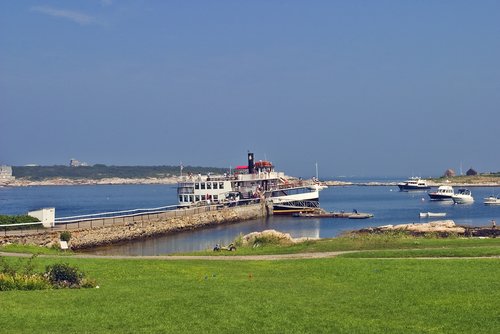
100,171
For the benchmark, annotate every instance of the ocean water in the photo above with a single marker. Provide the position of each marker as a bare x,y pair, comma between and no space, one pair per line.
388,204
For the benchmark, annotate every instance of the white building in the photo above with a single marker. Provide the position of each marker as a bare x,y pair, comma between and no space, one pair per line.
76,163
6,174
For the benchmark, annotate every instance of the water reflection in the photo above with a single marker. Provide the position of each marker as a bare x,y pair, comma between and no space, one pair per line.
389,207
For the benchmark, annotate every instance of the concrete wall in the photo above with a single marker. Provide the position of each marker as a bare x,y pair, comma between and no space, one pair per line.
47,216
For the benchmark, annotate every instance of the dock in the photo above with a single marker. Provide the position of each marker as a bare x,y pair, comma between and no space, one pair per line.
325,214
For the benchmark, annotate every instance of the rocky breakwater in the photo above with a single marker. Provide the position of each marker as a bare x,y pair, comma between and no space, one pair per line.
441,228
106,235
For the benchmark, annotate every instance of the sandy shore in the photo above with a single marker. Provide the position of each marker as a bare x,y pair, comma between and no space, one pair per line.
74,182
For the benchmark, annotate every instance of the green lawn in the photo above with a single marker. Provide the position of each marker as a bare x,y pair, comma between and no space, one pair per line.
371,242
339,295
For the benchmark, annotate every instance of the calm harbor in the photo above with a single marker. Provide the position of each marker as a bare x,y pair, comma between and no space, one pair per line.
388,205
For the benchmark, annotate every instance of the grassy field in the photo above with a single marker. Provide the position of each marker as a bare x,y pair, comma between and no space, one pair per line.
337,295
388,241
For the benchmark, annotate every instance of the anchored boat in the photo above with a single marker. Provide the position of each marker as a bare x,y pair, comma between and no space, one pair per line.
443,193
492,200
254,182
413,183
463,196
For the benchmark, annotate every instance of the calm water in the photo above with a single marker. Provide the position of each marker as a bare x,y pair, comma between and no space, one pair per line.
387,204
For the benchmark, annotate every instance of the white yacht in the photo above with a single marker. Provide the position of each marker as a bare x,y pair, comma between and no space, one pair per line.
443,193
492,200
463,196
254,182
413,183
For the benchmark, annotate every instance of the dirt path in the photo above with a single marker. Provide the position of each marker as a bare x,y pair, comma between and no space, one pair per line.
273,257
195,257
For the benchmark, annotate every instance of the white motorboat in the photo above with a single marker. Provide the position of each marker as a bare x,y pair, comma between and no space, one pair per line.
413,183
432,214
443,193
492,200
463,196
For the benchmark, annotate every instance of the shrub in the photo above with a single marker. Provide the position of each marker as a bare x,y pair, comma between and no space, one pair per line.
63,275
238,241
17,219
21,276
65,236
19,281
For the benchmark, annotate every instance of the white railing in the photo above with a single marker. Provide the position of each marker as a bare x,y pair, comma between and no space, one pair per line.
121,217
114,214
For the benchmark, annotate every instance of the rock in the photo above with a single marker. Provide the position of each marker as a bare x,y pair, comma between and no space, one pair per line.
434,226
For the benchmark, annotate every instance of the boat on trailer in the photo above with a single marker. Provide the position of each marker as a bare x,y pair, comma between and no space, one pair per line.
251,183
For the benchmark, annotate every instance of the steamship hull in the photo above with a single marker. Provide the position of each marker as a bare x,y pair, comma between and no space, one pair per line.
287,204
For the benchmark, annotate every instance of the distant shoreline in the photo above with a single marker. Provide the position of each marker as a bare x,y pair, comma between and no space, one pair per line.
174,179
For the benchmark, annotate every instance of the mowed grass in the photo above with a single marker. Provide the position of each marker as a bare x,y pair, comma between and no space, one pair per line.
463,246
337,295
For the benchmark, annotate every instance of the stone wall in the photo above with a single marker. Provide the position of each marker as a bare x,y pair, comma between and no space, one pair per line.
105,235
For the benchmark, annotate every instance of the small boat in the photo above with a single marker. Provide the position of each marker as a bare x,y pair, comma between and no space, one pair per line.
463,196
432,214
492,200
360,215
413,183
443,193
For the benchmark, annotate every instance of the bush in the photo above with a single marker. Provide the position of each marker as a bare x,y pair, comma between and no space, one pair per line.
238,241
17,219
65,236
64,275
23,282
23,277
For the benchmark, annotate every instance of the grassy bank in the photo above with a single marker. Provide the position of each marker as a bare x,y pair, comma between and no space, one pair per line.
313,296
375,242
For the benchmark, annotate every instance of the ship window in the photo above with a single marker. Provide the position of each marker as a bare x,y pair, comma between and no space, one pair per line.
197,198
203,185
203,197
215,185
196,186
216,197
190,198
221,185
180,198
209,185
186,198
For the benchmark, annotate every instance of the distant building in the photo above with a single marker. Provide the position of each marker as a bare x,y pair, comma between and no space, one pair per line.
471,172
449,173
76,163
6,174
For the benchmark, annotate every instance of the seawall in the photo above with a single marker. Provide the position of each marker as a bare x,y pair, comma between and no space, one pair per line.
106,235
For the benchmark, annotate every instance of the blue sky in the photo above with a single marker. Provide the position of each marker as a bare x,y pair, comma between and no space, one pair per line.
362,87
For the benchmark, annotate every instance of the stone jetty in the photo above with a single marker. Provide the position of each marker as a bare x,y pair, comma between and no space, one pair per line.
106,235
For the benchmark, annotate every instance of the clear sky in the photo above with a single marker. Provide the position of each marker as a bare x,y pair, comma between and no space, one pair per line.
366,88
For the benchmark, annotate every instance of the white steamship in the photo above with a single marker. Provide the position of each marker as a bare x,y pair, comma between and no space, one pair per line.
254,182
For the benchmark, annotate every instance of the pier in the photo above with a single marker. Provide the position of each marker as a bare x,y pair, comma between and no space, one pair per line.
111,227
